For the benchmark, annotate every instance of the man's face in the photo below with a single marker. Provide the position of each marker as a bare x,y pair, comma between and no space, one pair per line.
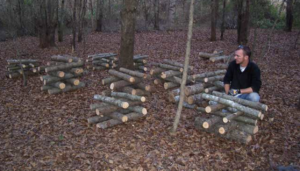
239,57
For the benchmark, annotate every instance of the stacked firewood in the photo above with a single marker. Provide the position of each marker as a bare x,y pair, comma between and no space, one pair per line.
63,74
20,67
105,61
215,56
116,108
230,117
199,83
127,81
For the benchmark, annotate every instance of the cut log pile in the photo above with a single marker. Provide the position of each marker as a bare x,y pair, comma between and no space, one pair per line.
105,61
19,67
215,56
230,117
63,74
117,108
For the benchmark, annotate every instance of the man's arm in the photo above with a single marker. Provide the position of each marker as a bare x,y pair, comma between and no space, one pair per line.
226,87
246,90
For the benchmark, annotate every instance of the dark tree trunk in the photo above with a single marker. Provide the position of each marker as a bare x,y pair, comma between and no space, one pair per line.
74,26
21,29
289,15
82,10
128,14
100,4
47,22
243,7
156,14
214,17
223,20
61,22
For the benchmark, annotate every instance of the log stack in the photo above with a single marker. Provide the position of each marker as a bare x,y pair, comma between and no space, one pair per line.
230,117
215,56
63,75
105,61
117,108
19,67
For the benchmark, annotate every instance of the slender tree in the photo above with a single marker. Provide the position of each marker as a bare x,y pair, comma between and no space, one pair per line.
289,15
223,20
243,7
74,25
214,17
156,14
99,13
172,14
82,11
128,15
61,21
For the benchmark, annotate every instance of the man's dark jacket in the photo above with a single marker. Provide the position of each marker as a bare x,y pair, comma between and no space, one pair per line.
241,80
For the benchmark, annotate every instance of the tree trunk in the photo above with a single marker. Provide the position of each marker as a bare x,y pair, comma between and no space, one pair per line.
193,89
127,33
223,20
121,75
112,101
214,108
74,25
156,14
289,15
243,7
214,17
172,15
128,96
82,11
99,13
61,22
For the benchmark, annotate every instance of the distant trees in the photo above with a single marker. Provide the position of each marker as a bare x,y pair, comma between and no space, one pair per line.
214,18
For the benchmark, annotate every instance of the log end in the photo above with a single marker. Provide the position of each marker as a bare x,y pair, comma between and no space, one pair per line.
143,99
255,130
190,100
112,86
205,80
144,111
131,79
125,105
62,86
166,86
76,82
205,125
147,87
124,119
208,109
262,116
163,75
225,120
222,130
97,111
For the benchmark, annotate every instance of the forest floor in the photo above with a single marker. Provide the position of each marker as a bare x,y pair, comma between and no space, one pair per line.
49,132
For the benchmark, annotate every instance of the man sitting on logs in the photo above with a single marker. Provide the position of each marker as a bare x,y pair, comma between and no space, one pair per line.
242,78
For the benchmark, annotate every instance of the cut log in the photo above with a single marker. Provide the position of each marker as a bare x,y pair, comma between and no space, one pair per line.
169,85
242,119
158,81
102,55
138,109
133,73
128,96
170,73
222,66
76,71
60,58
21,61
219,84
230,117
179,80
97,106
113,122
208,74
214,108
211,121
144,61
59,74
121,75
99,68
156,71
64,66
73,81
211,89
119,84
45,88
137,57
143,86
194,98
119,116
168,67
129,90
97,119
194,89
225,128
112,101
143,68
255,105
68,88
219,58
250,129
109,80
207,55
219,52
50,79
173,94
248,111
177,64
214,78
59,85
106,93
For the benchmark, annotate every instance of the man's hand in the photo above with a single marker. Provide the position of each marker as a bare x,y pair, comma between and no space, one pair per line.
234,92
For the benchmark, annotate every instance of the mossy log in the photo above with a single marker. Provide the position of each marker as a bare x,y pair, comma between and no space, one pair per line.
97,119
230,117
73,81
138,109
21,61
143,86
211,121
118,116
225,128
60,58
59,74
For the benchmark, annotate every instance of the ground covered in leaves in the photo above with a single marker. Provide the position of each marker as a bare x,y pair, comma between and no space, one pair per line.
49,132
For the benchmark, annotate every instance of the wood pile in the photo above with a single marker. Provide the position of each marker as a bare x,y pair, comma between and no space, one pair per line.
20,67
63,74
215,56
230,117
105,61
117,108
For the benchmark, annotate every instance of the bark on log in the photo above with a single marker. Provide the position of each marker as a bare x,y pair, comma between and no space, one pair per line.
155,71
102,55
177,64
134,73
109,80
218,58
211,89
219,52
143,86
97,119
45,88
248,111
64,66
211,121
222,66
50,79
214,108
169,85
137,57
194,98
170,73
60,58
179,80
219,84
242,119
128,96
207,55
255,105
214,78
230,117
99,68
168,67
173,94
113,101
119,116
208,74
119,84
138,109
59,74
76,71
113,122
21,61
59,85
98,105
121,75
225,128
73,81
144,61
129,90
142,68
158,81
194,89
68,88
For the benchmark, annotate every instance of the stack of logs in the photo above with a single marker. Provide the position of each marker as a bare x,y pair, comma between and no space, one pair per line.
104,61
127,81
20,67
63,74
230,117
215,56
199,83
116,108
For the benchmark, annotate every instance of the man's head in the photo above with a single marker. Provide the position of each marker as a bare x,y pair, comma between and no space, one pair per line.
242,55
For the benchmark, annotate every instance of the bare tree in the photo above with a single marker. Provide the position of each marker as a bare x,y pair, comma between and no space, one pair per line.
74,25
81,14
172,14
243,7
99,14
128,15
223,20
214,17
289,15
61,21
156,14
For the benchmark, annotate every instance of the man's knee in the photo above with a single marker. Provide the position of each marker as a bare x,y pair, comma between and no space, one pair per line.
253,97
